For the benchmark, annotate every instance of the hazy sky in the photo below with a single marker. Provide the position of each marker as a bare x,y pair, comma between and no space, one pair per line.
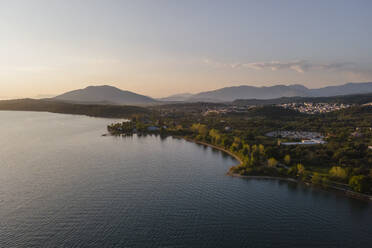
160,47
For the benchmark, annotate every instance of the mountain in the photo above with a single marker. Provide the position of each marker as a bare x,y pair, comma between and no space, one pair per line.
345,89
110,95
105,94
360,99
177,97
251,92
246,92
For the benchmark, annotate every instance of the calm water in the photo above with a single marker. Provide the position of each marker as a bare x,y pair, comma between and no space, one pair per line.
64,185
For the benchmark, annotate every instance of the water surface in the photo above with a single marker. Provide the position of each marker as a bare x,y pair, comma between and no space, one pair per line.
64,185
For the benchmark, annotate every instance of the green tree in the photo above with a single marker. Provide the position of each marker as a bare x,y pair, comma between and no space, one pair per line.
287,159
358,183
246,161
261,150
325,181
200,128
272,162
316,178
238,143
215,135
300,169
246,150
254,160
338,172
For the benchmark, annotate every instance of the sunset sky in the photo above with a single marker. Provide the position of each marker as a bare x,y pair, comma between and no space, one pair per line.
160,47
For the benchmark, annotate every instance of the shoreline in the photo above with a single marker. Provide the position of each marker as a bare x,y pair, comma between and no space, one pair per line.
329,188
337,190
345,192
215,147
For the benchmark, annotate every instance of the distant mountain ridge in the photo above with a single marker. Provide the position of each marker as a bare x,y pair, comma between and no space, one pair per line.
345,89
111,95
177,97
229,94
360,99
105,94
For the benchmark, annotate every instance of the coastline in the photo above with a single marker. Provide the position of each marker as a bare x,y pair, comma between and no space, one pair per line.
288,179
215,147
329,188
337,190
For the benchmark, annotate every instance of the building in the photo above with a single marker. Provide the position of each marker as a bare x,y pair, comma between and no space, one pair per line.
304,142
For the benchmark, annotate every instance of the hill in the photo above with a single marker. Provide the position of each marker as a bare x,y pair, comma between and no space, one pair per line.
345,89
104,95
346,99
228,94
177,97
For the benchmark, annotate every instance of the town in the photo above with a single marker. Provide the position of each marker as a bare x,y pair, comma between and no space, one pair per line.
307,138
315,108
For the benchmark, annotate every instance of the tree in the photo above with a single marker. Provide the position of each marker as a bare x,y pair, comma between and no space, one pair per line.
226,141
246,161
254,160
246,150
325,181
234,147
316,178
261,150
358,183
200,128
338,172
300,169
292,171
287,159
238,143
272,162
215,135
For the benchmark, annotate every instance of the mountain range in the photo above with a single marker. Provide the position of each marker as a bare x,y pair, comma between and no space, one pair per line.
110,95
228,94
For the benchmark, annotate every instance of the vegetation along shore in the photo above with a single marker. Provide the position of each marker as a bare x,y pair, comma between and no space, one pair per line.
329,150
342,161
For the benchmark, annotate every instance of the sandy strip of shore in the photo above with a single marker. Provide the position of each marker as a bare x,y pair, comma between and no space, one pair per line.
217,148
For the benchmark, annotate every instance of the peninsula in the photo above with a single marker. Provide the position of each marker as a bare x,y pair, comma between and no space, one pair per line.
329,150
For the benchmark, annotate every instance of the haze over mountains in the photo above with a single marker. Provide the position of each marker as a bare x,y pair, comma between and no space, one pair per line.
177,97
111,95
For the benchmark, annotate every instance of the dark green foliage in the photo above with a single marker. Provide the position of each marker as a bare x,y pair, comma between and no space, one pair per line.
359,183
108,111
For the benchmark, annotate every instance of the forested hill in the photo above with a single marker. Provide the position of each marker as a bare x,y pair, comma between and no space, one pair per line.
347,99
108,111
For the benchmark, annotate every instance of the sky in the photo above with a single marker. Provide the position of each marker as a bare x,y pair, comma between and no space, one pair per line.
163,47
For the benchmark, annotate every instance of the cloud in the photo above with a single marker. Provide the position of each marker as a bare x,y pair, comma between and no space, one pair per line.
299,66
